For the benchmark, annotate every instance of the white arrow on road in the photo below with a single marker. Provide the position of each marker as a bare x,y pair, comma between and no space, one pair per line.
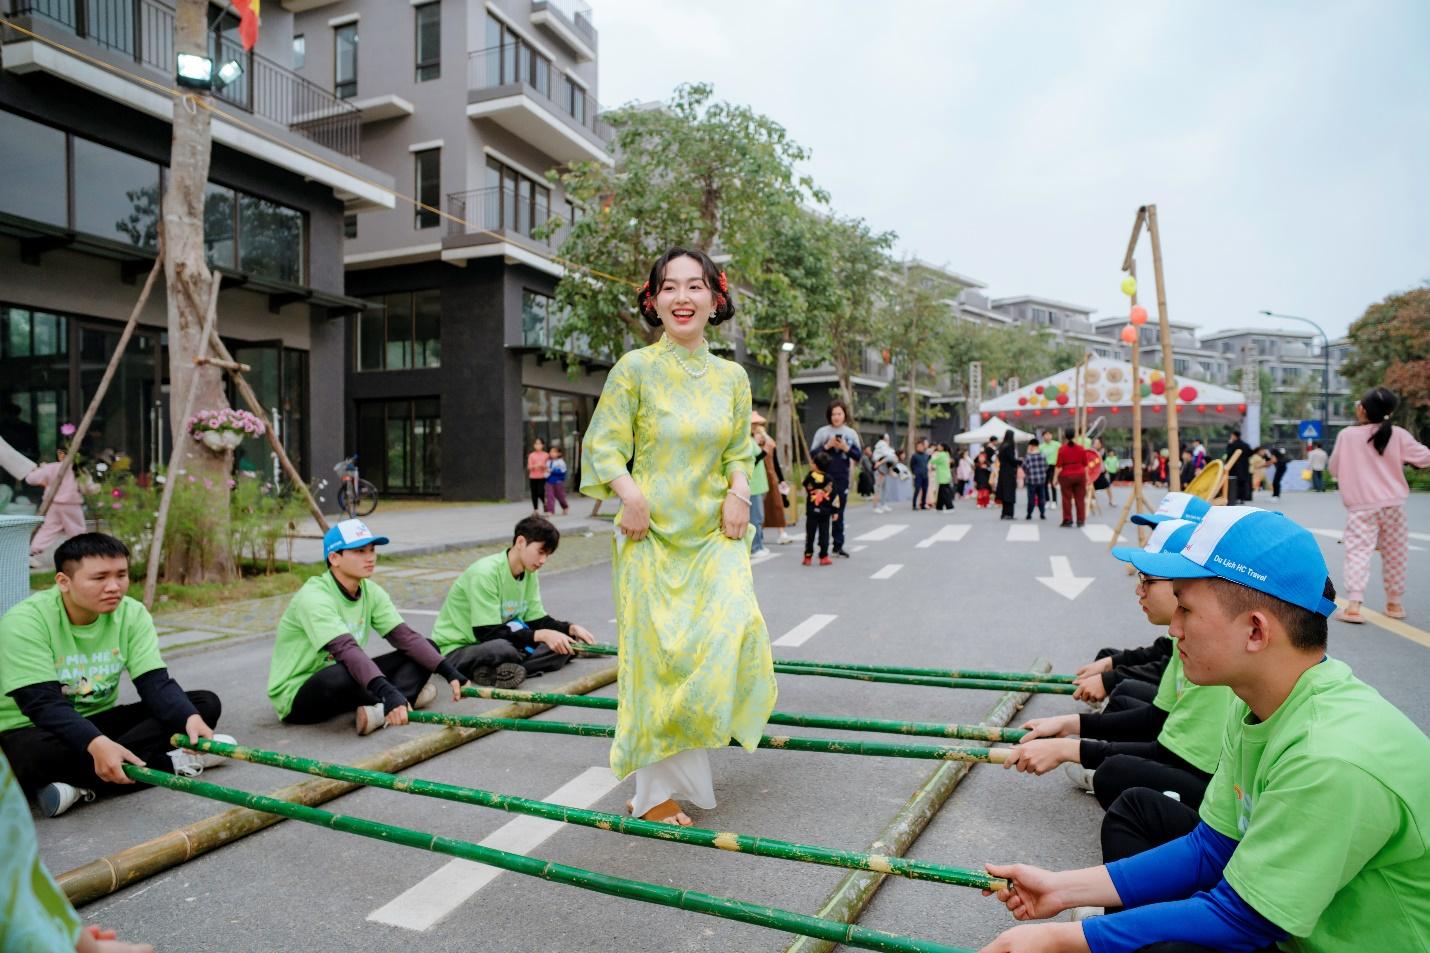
1062,581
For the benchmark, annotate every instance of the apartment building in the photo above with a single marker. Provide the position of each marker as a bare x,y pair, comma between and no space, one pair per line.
469,106
84,143
1295,362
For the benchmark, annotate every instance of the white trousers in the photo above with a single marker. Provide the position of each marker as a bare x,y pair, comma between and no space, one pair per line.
684,776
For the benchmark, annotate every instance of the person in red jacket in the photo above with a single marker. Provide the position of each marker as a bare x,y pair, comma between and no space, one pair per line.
1071,476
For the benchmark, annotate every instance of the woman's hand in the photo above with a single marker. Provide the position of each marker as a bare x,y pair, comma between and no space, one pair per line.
734,516
635,516
1054,726
1032,891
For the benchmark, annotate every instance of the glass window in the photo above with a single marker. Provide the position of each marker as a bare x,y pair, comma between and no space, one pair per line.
350,226
426,328
116,194
219,225
270,239
543,206
35,366
429,41
534,310
523,205
542,79
370,339
300,51
399,331
345,57
428,168
32,168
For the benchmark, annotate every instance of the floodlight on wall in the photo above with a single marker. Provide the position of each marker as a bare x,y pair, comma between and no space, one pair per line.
787,347
197,72
229,72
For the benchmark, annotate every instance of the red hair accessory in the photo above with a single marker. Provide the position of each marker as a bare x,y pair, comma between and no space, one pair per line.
724,283
719,301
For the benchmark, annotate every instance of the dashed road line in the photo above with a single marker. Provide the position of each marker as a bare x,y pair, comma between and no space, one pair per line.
887,571
801,633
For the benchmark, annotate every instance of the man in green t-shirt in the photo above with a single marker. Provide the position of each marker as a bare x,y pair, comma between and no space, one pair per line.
319,668
62,652
1315,832
942,465
1049,449
493,627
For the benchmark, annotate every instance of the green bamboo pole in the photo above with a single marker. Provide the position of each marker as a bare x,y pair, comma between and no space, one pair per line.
797,719
876,749
1050,678
836,670
699,837
739,910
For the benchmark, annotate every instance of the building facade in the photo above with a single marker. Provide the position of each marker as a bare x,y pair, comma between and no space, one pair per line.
1290,366
84,143
470,106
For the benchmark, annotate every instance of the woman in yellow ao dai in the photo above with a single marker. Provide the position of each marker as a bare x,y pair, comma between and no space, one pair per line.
671,439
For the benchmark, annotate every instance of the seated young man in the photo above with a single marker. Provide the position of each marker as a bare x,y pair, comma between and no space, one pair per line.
1173,744
62,652
492,626
1313,835
319,668
1126,678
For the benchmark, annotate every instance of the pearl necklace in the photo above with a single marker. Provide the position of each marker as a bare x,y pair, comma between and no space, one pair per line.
675,350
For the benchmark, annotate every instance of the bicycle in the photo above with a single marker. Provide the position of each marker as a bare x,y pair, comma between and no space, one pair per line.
356,496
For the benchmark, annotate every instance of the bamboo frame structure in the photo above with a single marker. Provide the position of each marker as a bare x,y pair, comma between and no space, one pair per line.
616,823
833,670
873,749
773,917
793,719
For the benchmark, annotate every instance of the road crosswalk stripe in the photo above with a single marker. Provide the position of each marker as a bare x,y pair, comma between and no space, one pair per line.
881,533
1022,534
801,633
887,571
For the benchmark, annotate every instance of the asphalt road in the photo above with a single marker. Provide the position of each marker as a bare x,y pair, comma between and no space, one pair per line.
975,602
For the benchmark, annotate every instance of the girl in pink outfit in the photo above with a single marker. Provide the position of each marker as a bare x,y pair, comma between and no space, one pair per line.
1369,464
536,472
65,517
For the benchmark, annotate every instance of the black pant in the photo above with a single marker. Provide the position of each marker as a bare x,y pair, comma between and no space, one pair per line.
39,757
538,492
491,653
1276,477
1130,693
1124,772
817,523
943,497
332,691
1037,496
1009,499
921,491
841,493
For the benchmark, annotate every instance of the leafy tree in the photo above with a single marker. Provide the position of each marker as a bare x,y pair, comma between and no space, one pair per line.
861,267
1391,348
917,324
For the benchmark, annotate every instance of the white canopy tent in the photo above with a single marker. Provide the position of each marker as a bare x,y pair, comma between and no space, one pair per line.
992,429
1107,389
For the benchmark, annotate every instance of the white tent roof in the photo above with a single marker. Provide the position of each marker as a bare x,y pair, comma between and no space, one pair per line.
992,430
1107,389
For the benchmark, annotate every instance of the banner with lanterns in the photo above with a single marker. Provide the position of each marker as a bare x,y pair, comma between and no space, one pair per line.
1107,386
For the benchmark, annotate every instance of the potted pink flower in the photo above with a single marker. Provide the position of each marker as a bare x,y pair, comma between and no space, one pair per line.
223,430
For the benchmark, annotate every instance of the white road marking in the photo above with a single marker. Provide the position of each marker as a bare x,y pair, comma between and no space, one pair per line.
882,532
1336,534
1022,534
887,571
1062,581
801,633
764,557
427,903
1098,532
952,533
1424,536
855,549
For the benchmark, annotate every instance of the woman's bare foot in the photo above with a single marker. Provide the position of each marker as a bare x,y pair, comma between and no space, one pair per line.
666,812
1396,610
1351,613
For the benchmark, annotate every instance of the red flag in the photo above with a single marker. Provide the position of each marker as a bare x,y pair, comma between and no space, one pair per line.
248,23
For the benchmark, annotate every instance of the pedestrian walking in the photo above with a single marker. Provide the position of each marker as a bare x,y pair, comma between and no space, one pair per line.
1071,477
1240,470
1107,470
919,464
1189,467
671,439
982,479
1317,459
839,440
536,462
1035,478
1259,459
821,507
1279,462
884,461
1007,475
942,465
1369,463
963,474
1049,447
65,517
777,496
759,485
556,482
866,473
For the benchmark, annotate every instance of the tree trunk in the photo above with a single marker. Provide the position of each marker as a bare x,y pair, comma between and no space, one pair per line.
911,438
188,280
784,414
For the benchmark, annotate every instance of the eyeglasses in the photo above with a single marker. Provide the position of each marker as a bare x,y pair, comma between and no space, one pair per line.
1144,580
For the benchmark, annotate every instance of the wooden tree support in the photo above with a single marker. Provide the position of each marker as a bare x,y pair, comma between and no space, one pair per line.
226,365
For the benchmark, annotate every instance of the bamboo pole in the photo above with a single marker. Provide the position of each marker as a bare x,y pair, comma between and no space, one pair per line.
794,719
1174,450
77,440
1136,503
855,890
835,670
936,672
617,823
176,455
226,365
873,749
741,911
251,399
106,875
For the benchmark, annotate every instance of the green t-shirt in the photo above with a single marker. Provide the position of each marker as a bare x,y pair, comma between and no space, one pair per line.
39,643
1112,464
1049,450
319,613
1196,715
1329,799
942,471
486,594
759,477
35,916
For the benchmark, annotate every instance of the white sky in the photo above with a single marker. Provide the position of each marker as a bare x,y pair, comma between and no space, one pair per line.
1285,144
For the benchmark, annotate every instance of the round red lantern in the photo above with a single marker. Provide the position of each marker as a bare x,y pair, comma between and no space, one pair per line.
1187,394
1017,413
1221,408
1156,408
1138,315
1022,401
1054,411
1159,387
1129,334
1038,389
1241,408
1115,409
987,416
1062,399
1201,408
1037,413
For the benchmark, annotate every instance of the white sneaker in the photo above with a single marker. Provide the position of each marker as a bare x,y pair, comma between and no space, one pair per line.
370,718
190,764
1077,914
425,697
1082,777
57,797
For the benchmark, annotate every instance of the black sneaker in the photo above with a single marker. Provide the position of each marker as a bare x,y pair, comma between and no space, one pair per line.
841,552
504,675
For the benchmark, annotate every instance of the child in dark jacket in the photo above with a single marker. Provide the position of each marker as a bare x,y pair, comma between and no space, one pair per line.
821,506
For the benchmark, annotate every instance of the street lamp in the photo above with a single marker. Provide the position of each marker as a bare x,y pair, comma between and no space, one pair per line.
1325,368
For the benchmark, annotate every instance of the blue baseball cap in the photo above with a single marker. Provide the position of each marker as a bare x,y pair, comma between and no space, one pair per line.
1169,537
349,534
1176,506
1252,547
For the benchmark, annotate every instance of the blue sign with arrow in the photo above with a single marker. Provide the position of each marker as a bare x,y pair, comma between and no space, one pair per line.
1309,430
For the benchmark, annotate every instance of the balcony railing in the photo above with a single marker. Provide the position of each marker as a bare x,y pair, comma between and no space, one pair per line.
577,13
144,31
512,63
502,211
